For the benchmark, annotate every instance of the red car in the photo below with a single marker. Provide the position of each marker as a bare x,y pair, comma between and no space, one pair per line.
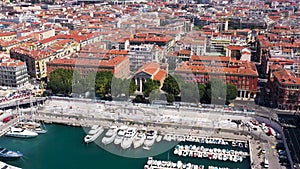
7,119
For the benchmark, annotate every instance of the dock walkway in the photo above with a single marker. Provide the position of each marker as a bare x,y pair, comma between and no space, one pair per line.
4,128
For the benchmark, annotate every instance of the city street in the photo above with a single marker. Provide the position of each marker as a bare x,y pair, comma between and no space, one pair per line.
292,133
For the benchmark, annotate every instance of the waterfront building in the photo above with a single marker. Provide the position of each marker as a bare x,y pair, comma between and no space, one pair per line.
285,87
118,65
36,59
13,73
242,74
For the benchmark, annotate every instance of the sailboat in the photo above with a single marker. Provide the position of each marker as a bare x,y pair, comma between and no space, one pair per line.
31,124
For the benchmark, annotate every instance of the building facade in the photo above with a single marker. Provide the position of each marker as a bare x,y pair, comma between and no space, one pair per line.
285,89
151,70
118,65
13,73
36,59
242,74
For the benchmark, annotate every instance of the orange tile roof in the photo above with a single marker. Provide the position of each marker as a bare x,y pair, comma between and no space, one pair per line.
235,47
7,33
210,58
11,63
285,77
246,68
160,75
89,62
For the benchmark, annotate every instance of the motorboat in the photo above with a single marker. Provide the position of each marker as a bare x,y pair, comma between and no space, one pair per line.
21,133
7,166
93,134
34,128
8,154
110,135
150,138
30,123
158,139
140,137
128,137
146,148
40,130
120,135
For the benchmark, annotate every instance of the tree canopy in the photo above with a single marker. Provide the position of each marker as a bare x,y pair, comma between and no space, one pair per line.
171,86
60,81
150,85
231,92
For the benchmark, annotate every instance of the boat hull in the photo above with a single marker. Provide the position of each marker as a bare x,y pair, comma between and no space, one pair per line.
108,140
126,143
138,143
9,155
93,137
118,140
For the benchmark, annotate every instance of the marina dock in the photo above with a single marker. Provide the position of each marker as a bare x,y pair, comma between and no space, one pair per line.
5,127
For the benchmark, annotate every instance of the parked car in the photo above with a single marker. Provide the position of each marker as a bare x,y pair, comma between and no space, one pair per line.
283,157
281,152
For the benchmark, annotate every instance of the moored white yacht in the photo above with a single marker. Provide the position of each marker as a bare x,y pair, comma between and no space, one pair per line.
21,133
128,137
30,123
121,132
150,138
32,127
110,135
139,138
93,134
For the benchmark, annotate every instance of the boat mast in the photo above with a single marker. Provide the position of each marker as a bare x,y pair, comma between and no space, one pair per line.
31,110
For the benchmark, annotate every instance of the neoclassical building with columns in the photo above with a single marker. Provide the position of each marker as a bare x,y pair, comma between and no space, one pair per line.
151,70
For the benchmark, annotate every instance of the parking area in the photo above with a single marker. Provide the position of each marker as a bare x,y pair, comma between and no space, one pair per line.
292,133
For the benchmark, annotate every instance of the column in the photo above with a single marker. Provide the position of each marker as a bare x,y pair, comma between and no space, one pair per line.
141,85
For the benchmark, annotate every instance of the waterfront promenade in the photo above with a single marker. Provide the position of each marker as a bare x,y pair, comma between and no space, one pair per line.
178,121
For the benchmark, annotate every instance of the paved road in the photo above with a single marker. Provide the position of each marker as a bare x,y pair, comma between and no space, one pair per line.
292,133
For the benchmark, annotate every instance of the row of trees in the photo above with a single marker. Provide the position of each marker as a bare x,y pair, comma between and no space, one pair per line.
215,91
101,84
104,85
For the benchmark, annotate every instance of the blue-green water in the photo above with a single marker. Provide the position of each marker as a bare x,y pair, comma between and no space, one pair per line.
62,148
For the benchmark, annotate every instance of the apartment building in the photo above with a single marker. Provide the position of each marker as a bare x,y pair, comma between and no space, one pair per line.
13,73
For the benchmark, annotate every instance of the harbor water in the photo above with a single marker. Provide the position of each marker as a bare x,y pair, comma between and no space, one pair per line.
62,147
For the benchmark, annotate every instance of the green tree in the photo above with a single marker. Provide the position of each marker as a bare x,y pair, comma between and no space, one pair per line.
103,83
170,98
60,81
171,86
132,87
231,92
149,86
154,95
201,88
